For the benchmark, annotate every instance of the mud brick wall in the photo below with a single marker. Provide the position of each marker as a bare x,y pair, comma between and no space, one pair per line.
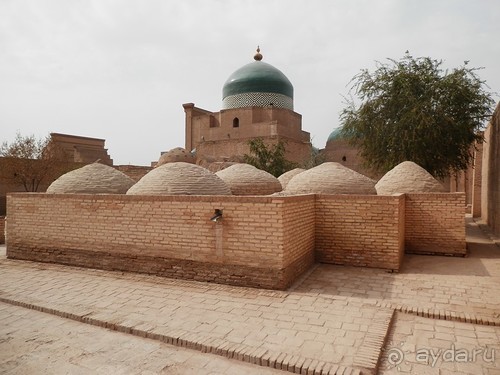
435,224
359,230
2,229
490,182
169,236
299,233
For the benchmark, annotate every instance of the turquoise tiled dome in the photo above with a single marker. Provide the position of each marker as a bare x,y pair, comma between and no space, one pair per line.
335,134
257,84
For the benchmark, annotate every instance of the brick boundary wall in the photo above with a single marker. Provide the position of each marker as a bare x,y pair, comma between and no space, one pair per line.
2,229
360,230
299,221
165,235
266,242
435,224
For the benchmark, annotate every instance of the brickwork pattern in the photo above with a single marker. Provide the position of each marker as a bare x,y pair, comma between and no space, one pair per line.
360,230
71,347
231,148
435,224
299,220
263,242
169,236
335,321
297,332
135,172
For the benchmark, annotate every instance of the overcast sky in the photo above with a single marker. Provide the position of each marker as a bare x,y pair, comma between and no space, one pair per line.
121,69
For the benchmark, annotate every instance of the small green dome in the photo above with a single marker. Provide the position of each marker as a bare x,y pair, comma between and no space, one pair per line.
335,135
257,76
257,84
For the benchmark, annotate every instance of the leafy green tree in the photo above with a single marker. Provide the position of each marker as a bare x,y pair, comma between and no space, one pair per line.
413,110
268,158
31,162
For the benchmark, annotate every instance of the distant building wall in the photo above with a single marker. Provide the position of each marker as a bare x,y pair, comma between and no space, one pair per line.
224,135
135,172
360,230
490,197
78,151
9,184
234,150
6,185
477,171
82,149
435,224
340,151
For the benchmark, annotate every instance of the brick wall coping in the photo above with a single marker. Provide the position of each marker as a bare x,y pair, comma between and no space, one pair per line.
434,195
232,198
358,197
171,198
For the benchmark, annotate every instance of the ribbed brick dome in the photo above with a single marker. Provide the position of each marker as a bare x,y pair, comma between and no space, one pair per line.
408,177
180,179
175,155
330,178
245,179
287,176
93,178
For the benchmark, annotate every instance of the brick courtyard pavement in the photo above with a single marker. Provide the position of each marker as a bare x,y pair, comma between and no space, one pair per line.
336,320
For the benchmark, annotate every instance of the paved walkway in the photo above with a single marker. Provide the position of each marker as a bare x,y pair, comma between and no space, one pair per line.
32,342
432,346
335,321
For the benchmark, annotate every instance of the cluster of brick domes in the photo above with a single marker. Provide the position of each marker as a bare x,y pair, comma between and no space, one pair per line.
181,178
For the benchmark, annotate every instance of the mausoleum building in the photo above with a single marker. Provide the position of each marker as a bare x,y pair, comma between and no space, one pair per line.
257,102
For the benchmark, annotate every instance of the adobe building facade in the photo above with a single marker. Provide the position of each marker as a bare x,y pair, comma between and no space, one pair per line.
80,149
257,102
338,150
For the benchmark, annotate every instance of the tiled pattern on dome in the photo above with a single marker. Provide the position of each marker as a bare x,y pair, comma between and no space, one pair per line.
257,99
